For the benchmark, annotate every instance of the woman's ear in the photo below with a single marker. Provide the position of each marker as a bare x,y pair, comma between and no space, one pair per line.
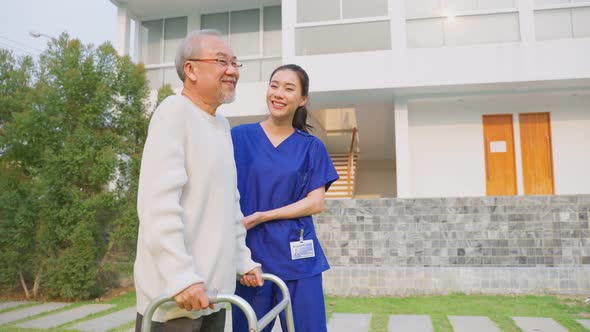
303,101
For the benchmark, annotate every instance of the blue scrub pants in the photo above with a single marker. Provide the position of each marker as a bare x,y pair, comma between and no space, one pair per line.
307,301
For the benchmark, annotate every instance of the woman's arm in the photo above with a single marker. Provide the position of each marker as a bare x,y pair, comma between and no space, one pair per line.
313,203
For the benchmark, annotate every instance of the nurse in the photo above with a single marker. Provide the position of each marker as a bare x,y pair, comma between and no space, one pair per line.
283,174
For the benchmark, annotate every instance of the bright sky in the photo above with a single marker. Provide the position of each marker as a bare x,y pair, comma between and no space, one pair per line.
91,21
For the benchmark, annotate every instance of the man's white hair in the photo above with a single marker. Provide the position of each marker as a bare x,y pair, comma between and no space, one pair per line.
191,47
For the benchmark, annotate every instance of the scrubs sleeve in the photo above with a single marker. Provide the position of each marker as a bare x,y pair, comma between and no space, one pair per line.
322,171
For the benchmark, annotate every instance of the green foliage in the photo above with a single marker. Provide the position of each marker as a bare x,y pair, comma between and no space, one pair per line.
163,92
72,128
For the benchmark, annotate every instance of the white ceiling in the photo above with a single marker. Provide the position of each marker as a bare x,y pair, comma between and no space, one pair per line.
147,9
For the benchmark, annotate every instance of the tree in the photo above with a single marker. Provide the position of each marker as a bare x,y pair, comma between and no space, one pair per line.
76,143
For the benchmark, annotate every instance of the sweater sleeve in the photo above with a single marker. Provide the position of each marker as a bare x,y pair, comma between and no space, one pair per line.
243,255
161,180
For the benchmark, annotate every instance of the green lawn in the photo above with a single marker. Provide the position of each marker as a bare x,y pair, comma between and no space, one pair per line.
498,308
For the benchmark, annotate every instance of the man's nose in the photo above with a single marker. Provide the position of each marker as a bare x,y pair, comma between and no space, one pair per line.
231,70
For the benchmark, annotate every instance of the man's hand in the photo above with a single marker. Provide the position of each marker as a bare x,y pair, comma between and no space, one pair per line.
253,278
194,297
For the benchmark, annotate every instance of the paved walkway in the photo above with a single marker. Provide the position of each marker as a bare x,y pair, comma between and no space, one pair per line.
107,322
18,314
64,317
11,304
27,317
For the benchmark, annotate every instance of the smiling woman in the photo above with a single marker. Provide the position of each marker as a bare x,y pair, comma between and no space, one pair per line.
283,174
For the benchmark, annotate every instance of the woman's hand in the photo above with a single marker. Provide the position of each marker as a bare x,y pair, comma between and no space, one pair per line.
253,278
253,220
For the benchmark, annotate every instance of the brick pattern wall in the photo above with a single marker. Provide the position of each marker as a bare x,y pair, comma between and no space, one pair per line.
524,244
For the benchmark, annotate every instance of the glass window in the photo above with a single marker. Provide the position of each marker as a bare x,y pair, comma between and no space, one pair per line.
344,38
365,8
314,10
483,29
423,8
540,3
266,68
174,33
154,77
581,21
171,77
250,72
425,33
245,32
219,22
272,31
460,5
553,24
152,45
495,4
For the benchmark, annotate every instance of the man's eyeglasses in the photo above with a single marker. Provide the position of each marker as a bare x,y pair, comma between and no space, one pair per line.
221,62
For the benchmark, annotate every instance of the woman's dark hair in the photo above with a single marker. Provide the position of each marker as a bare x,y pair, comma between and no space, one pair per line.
300,118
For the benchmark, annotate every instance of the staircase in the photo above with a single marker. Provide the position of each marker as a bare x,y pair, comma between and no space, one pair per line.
340,188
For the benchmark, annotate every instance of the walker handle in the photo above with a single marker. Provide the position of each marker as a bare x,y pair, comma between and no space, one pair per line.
253,325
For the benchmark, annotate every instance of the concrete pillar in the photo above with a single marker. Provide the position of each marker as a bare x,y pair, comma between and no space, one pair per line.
397,16
402,148
289,18
526,17
123,31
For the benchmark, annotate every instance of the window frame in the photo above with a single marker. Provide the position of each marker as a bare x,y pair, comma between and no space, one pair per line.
570,6
447,14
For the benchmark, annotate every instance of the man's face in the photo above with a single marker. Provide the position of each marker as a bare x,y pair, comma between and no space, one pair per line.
215,81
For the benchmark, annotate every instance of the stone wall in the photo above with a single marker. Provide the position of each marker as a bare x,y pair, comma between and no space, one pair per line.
493,245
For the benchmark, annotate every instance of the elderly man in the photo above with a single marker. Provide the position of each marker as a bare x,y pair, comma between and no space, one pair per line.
191,236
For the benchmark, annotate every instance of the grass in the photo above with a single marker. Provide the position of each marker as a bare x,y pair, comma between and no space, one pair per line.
498,308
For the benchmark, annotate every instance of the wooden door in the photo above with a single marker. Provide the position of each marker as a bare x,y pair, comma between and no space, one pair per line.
537,153
499,155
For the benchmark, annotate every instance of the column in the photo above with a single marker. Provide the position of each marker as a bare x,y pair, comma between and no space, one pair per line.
289,18
397,17
402,148
526,17
123,29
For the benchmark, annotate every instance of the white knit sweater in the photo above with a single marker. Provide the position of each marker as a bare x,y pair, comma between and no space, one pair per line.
190,224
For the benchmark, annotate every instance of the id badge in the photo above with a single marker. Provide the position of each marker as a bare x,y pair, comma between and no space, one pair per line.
302,249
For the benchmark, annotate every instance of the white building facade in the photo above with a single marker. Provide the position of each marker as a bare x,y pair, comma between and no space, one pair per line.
450,97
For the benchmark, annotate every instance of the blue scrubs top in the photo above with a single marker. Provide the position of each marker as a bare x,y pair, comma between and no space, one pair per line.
270,178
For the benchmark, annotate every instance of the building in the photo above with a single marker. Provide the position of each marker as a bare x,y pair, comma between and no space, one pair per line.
449,98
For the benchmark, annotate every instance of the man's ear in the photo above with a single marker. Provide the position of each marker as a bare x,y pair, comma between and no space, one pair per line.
189,71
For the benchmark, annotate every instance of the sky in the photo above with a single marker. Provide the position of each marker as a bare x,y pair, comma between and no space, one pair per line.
91,21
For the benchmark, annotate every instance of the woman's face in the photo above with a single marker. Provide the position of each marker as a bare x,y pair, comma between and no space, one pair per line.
283,95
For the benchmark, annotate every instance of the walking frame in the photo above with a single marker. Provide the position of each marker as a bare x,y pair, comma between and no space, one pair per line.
253,324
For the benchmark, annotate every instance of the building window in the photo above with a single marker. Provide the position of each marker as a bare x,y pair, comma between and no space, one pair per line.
255,37
345,23
556,19
437,23
160,39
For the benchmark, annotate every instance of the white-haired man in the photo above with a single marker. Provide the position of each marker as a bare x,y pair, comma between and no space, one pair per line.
191,236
